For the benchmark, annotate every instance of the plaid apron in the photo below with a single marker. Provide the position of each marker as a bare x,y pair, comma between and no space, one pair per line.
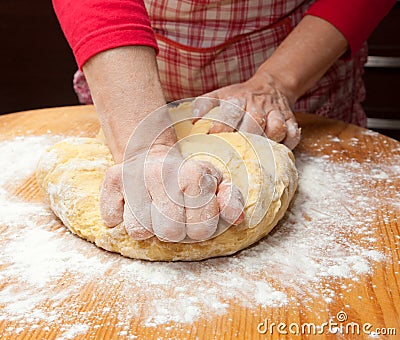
208,44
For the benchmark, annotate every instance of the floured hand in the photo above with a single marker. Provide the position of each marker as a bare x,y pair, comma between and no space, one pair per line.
257,106
173,199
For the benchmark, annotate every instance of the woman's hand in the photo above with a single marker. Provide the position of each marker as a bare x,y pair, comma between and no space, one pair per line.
151,188
259,105
295,66
168,197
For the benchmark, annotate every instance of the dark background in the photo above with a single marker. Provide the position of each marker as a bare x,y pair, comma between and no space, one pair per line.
37,65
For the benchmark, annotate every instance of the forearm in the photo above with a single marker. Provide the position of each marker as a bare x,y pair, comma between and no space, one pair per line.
304,56
125,88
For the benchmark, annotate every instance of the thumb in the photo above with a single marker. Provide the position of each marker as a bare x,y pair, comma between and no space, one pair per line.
230,201
111,197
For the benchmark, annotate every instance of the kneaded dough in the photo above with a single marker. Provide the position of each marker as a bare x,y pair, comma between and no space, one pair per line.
71,172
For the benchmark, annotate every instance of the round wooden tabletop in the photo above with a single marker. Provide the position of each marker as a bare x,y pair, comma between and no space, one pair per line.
329,269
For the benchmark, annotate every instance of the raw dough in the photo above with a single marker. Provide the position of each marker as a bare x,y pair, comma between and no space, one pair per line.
71,173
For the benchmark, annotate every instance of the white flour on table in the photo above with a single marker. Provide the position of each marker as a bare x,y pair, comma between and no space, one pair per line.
325,237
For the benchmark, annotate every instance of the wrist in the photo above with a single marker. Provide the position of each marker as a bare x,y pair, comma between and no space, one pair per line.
286,83
125,89
139,136
304,56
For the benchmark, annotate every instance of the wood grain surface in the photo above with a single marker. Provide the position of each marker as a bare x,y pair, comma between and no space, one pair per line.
373,298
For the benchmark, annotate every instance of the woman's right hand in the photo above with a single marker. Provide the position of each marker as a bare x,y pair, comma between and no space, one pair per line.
161,194
151,189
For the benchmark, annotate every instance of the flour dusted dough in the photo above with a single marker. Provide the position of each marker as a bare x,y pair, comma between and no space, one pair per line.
71,172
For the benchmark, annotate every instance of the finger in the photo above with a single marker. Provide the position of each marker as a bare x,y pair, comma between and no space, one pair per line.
230,201
168,220
111,197
254,122
210,169
276,126
293,134
202,105
229,116
136,195
200,181
167,207
133,227
202,222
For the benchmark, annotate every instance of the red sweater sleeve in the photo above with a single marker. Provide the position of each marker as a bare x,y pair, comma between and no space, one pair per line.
355,19
93,26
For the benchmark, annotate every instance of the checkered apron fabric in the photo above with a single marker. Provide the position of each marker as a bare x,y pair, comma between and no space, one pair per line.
208,44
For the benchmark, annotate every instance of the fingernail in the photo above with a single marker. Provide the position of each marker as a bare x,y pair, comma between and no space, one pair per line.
240,219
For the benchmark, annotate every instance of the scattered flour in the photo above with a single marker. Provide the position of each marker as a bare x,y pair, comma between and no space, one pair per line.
74,331
19,156
324,237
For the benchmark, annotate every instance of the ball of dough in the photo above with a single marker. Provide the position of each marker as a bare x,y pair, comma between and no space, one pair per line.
71,172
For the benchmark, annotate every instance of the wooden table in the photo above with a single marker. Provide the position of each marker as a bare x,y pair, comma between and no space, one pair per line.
114,304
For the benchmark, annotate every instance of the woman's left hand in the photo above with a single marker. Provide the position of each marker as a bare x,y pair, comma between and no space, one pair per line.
259,105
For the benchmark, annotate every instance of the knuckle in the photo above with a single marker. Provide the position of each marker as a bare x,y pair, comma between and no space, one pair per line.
189,170
259,117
